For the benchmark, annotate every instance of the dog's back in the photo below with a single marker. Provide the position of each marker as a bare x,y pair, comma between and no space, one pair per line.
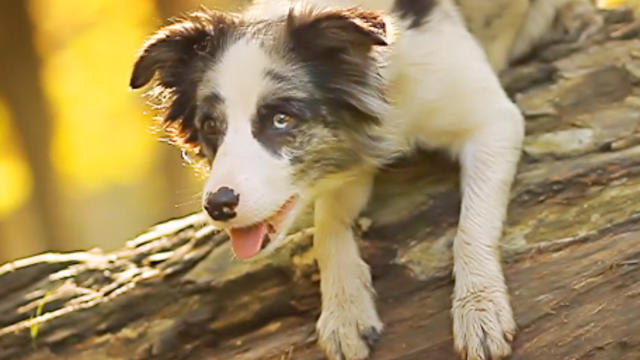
506,29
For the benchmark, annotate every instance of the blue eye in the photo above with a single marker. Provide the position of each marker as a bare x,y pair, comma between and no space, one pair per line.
281,121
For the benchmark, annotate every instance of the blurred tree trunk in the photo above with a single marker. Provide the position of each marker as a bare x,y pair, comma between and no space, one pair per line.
171,8
571,250
22,90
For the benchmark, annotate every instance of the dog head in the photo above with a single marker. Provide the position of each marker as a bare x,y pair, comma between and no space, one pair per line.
281,108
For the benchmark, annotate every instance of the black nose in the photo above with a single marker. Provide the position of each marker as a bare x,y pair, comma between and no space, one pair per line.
221,204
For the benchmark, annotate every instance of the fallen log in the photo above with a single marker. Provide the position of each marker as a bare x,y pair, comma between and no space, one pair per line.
571,249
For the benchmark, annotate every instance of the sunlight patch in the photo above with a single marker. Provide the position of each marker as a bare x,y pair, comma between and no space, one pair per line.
101,135
15,177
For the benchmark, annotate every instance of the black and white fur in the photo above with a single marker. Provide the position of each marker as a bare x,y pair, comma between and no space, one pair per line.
299,103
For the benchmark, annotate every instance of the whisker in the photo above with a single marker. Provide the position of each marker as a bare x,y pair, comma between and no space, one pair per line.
187,203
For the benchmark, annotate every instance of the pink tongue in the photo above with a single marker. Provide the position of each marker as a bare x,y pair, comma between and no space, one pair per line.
247,242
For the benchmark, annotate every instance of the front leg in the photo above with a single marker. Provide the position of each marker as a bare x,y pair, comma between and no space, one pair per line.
483,322
349,322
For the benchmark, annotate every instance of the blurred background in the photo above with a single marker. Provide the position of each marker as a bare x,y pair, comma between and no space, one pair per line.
80,164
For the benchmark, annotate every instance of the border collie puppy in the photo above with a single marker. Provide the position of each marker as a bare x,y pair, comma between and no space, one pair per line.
298,104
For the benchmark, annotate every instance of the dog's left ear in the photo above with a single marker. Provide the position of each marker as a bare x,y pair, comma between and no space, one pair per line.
177,56
175,46
318,32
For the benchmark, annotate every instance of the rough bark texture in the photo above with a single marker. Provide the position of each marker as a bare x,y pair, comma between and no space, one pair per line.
571,249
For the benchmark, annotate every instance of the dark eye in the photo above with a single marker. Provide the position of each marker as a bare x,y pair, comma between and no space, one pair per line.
209,126
282,121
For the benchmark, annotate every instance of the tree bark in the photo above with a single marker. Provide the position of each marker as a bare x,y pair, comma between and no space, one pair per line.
571,249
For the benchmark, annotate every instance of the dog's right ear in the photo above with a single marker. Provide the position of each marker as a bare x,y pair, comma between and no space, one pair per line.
174,47
315,32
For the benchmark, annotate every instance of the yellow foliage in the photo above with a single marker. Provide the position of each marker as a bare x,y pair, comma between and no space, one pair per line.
15,177
101,135
608,4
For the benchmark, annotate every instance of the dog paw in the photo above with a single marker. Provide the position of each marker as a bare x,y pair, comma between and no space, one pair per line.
483,325
348,335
